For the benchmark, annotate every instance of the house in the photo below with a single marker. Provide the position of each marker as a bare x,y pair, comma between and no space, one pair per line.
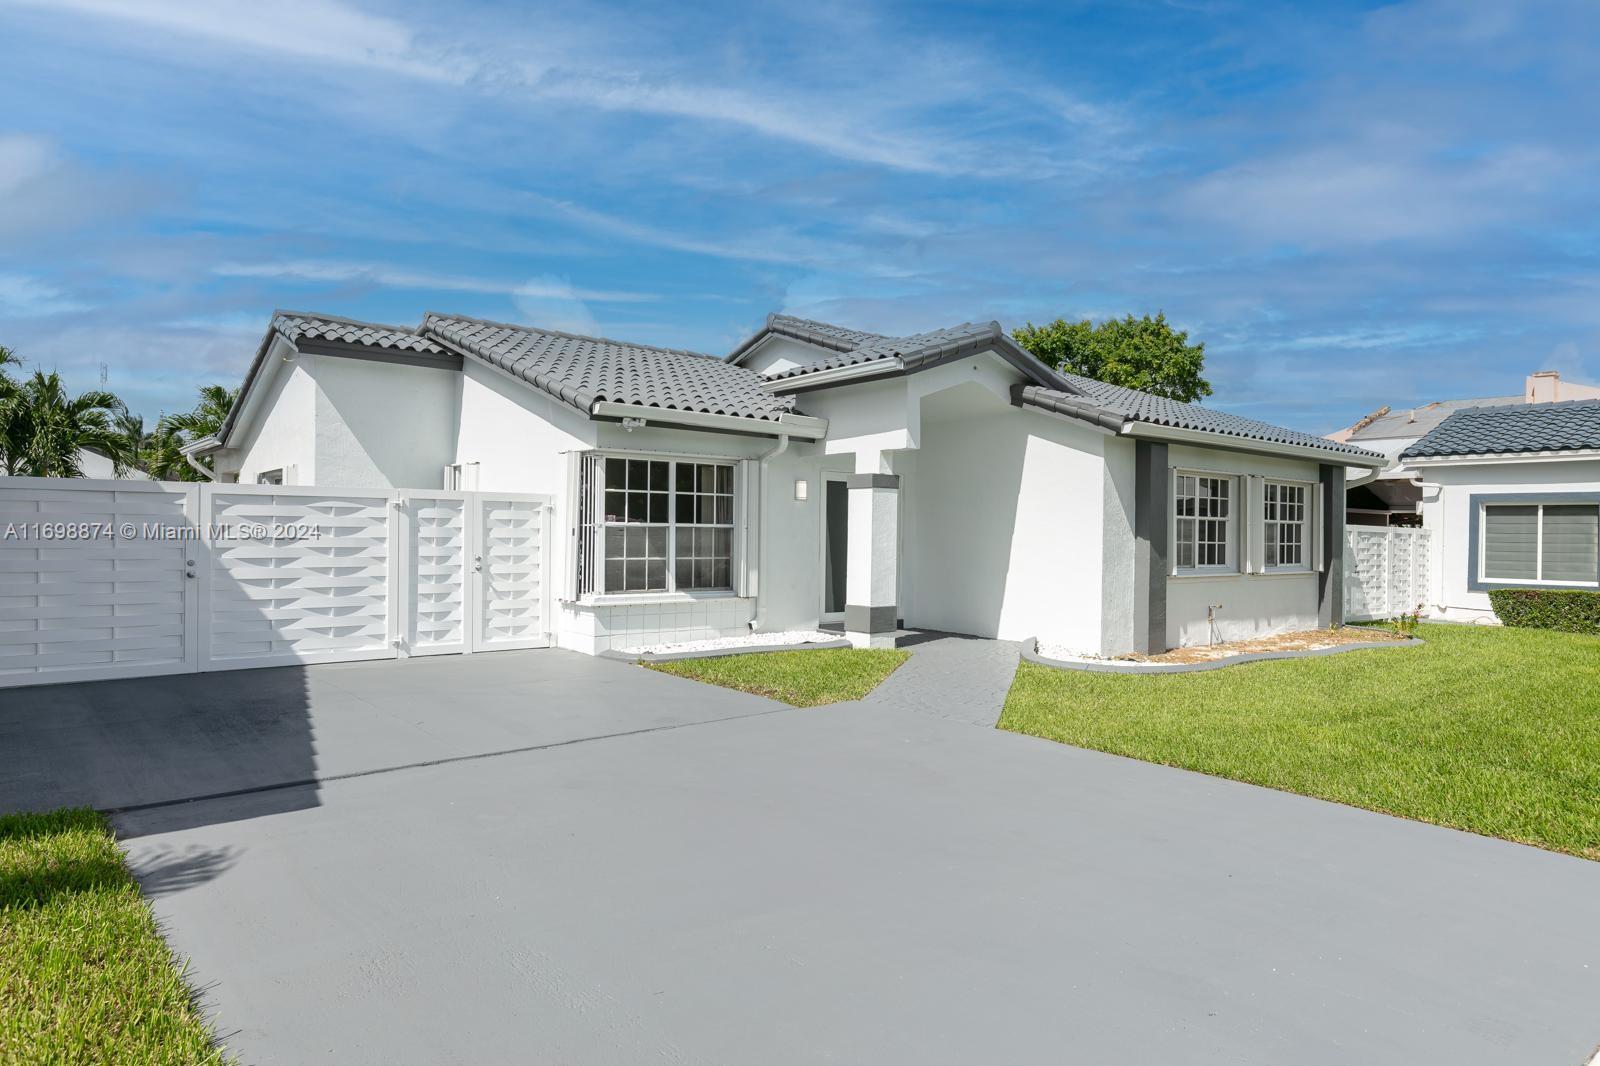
946,480
1390,498
1511,493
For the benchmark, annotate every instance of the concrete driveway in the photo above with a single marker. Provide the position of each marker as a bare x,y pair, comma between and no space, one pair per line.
651,870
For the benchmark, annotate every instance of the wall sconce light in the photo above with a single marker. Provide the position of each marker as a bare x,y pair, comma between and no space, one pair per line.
801,490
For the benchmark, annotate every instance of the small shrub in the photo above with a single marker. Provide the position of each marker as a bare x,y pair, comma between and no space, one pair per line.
1405,624
1565,610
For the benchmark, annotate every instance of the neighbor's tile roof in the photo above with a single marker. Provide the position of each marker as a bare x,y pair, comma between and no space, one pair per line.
584,370
1416,421
1523,427
1139,406
295,325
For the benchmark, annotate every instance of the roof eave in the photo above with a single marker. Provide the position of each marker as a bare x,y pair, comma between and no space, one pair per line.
805,427
1469,458
1212,439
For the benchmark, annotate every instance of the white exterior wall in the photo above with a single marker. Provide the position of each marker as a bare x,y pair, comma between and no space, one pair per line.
1252,605
383,425
283,436
1005,537
777,354
1447,511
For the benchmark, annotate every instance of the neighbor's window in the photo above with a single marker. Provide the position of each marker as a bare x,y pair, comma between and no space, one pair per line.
666,526
1287,520
270,477
1541,542
1204,515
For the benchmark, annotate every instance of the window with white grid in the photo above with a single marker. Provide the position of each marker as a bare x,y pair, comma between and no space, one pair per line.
666,526
1287,521
1203,522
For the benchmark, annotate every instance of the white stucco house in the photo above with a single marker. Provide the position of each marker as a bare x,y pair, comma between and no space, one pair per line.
1511,496
816,474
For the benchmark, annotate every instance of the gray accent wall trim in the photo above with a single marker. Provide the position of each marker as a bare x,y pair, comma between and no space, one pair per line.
1330,579
873,620
872,481
1152,499
1475,503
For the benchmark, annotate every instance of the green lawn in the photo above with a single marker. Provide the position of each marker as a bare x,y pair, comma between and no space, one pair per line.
798,678
1495,731
84,975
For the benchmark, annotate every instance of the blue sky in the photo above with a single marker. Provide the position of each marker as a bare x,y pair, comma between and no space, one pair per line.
1351,204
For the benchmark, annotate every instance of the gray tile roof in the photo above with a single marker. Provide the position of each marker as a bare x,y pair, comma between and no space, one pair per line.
584,370
856,347
1136,406
1080,397
1523,427
295,325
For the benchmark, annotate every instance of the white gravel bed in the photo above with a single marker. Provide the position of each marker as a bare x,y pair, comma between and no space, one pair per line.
1061,653
749,640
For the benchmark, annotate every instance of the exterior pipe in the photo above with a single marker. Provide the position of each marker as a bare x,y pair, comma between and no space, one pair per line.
761,531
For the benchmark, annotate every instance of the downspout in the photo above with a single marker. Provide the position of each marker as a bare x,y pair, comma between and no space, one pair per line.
761,531
189,458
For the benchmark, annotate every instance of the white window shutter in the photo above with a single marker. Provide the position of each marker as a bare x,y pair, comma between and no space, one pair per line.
569,576
747,532
1255,524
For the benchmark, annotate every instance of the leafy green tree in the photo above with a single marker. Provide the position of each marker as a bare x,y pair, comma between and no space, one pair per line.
43,429
1137,353
164,459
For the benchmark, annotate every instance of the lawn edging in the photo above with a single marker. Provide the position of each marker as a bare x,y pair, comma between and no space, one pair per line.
1031,654
718,653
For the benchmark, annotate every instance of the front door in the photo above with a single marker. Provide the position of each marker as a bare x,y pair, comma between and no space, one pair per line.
835,545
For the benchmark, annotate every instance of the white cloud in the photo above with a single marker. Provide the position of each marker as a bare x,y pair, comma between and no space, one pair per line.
322,270
27,297
325,30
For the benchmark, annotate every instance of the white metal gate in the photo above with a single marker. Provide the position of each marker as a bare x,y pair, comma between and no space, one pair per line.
103,579
1385,571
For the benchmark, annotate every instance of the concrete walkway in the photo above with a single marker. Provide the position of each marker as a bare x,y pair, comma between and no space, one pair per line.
701,876
957,678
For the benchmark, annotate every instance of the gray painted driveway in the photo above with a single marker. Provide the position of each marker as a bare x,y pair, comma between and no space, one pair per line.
879,882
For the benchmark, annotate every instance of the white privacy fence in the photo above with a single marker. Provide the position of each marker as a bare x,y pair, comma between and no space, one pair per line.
104,579
1385,571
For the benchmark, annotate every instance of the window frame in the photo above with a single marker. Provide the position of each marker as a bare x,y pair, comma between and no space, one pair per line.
1231,539
596,530
1307,535
1478,579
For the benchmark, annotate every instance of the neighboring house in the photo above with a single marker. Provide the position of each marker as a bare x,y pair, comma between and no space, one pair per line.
1511,494
947,480
1391,499
91,464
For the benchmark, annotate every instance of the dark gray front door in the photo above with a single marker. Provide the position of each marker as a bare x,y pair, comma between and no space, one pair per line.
835,545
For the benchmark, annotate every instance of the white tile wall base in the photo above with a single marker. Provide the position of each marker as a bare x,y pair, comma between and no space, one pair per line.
591,629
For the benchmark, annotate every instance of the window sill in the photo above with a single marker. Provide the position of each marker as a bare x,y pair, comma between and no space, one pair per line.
1190,574
625,599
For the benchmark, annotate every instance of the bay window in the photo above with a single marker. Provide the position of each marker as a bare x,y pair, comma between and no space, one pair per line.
654,525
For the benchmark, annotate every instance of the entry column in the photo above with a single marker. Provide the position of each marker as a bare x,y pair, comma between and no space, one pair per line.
872,571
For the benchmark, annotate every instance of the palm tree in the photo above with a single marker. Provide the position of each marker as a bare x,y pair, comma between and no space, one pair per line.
131,428
11,441
44,429
164,456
